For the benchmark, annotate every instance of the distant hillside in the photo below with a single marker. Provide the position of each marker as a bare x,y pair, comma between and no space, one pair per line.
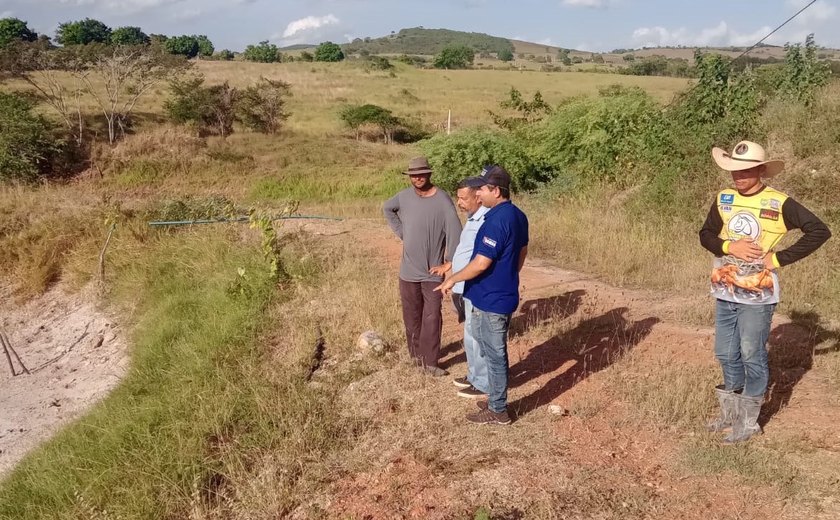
423,41
298,47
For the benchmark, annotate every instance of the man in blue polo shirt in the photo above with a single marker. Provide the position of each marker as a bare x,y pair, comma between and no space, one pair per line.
492,285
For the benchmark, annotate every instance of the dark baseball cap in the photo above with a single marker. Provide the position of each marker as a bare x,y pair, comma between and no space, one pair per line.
472,182
496,176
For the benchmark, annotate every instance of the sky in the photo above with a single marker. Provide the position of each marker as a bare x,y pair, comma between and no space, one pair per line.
592,25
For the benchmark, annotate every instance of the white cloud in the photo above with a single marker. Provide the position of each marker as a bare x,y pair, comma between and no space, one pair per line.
816,14
719,35
309,23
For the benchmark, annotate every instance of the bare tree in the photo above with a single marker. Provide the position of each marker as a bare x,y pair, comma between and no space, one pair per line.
47,71
117,78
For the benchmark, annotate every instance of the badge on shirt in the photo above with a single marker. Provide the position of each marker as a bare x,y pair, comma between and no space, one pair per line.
769,214
489,241
727,198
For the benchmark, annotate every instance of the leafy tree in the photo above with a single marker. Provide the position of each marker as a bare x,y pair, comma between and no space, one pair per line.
129,36
506,55
261,107
356,116
263,52
205,46
27,145
803,73
83,32
182,46
456,57
13,29
328,51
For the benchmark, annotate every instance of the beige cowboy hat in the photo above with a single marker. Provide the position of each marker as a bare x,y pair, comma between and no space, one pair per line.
744,156
418,166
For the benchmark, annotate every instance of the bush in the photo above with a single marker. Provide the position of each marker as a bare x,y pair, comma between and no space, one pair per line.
455,57
129,36
261,107
329,51
263,52
599,137
224,55
27,145
455,157
13,29
182,46
83,32
356,116
212,109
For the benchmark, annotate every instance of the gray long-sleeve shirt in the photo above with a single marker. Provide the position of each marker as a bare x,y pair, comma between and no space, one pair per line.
429,228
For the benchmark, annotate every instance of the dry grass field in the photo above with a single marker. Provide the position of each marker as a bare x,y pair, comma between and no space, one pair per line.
229,411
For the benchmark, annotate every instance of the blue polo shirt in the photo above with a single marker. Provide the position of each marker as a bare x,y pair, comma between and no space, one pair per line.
501,238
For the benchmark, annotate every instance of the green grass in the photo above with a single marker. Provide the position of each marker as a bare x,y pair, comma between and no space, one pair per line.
191,380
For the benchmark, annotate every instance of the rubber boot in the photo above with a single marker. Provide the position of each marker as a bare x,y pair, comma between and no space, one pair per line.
746,419
727,410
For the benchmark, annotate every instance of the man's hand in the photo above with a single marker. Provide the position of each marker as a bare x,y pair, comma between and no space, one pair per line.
745,249
768,262
446,286
441,270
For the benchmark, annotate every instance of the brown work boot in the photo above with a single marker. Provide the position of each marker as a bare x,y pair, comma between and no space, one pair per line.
489,417
482,404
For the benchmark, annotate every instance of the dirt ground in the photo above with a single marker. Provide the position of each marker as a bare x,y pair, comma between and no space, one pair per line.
75,355
574,449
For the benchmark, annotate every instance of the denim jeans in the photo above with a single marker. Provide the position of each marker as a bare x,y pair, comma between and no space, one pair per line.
490,332
741,333
476,364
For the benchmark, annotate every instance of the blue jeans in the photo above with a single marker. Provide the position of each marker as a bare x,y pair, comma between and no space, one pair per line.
741,333
476,364
490,332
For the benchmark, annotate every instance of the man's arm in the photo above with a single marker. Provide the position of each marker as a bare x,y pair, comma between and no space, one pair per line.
391,210
709,233
523,253
815,233
453,231
477,265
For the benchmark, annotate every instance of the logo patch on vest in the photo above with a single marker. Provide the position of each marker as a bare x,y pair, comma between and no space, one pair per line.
489,241
727,198
769,214
745,224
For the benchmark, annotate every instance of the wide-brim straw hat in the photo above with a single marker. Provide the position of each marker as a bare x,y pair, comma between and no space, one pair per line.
744,156
418,166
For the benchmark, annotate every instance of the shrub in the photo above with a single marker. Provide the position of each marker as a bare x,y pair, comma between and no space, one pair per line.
328,51
27,146
212,109
182,45
129,36
13,29
599,136
455,157
224,55
261,107
83,32
263,52
455,57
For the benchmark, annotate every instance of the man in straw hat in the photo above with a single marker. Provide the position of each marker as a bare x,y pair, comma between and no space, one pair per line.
742,230
424,218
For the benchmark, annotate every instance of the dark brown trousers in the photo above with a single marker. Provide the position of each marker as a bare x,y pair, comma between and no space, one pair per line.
421,306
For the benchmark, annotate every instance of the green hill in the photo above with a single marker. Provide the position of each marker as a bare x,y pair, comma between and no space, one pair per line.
419,40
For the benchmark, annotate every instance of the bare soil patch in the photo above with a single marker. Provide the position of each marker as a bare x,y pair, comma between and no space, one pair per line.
75,355
576,448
